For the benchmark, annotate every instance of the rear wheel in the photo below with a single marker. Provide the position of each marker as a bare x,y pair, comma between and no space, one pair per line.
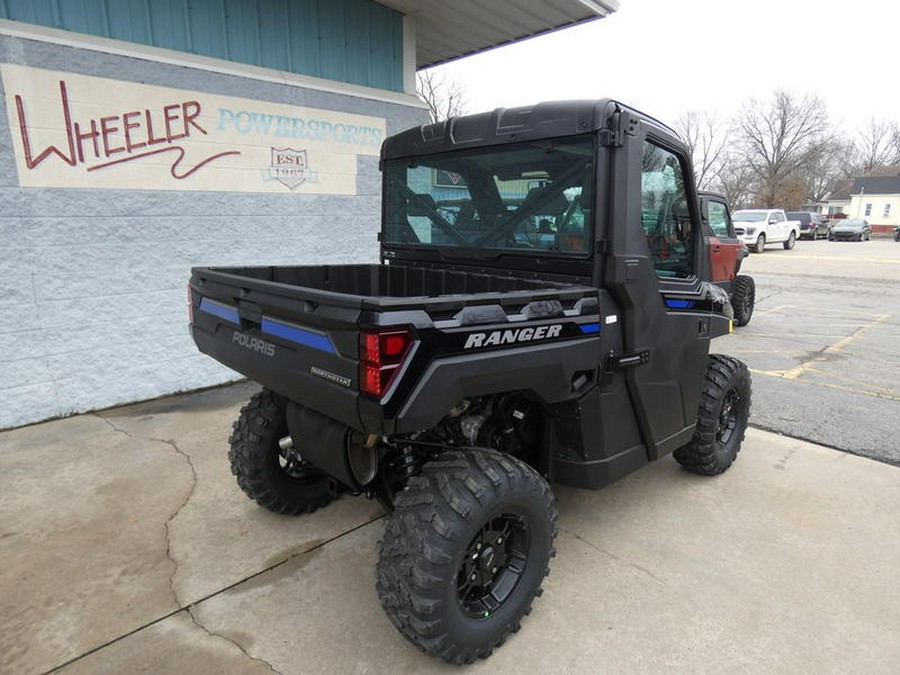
760,244
721,419
465,552
743,297
278,479
791,240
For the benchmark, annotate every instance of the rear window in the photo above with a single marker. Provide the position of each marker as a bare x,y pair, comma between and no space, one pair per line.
531,198
802,216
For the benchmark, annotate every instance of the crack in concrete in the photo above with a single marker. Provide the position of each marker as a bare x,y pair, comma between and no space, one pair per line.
639,568
215,594
184,503
243,651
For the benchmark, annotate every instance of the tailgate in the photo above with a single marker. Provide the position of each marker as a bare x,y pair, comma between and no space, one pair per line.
300,342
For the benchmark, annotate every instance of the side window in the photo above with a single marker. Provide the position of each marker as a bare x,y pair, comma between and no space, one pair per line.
665,215
779,216
718,219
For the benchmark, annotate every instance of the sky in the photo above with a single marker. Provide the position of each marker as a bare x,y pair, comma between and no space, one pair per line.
666,57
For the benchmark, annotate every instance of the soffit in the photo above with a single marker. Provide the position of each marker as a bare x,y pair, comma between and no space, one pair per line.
450,29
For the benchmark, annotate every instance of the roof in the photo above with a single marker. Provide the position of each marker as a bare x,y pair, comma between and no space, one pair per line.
877,185
548,119
842,190
450,30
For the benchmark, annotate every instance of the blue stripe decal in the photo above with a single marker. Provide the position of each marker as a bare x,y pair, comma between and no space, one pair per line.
218,309
679,304
298,335
589,328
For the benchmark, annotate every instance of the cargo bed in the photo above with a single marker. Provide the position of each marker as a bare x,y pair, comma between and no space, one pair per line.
296,330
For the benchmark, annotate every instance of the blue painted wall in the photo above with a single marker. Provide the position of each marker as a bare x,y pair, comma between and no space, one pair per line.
355,41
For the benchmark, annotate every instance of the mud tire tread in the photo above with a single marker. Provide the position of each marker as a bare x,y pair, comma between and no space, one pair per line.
253,455
430,528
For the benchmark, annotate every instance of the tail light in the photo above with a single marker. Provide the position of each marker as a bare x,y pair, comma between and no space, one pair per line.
380,356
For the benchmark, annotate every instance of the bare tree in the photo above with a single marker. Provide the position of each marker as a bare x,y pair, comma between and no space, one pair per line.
735,180
444,98
876,144
820,174
895,139
776,139
703,135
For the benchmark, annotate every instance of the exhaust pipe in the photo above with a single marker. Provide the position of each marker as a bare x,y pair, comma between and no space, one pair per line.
362,456
348,456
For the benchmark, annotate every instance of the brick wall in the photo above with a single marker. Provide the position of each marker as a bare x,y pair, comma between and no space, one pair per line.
92,290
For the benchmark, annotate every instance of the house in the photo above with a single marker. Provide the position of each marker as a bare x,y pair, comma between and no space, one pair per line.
839,200
874,197
877,199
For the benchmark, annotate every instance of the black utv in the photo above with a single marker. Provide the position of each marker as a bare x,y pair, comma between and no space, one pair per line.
540,314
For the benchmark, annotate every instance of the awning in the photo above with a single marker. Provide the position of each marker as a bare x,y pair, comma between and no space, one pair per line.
450,29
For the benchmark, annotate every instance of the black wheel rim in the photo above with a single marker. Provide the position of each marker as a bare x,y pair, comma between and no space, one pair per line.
728,416
493,565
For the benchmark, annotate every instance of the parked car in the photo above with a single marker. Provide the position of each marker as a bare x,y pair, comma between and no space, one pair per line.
851,229
812,225
896,232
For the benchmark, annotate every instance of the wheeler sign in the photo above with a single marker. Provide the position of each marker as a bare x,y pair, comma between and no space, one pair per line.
78,131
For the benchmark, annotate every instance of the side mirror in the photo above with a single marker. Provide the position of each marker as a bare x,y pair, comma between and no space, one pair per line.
773,221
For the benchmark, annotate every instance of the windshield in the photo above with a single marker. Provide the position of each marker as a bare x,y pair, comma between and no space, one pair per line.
749,216
525,198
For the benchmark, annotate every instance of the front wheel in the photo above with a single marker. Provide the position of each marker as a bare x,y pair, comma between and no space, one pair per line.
760,244
277,479
791,240
721,419
465,552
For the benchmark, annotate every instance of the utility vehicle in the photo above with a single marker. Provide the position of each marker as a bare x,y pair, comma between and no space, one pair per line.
541,317
726,254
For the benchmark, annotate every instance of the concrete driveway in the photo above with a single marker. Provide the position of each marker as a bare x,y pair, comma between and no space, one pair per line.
125,546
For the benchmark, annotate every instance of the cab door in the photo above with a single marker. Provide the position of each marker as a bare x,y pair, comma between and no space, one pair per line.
780,228
724,246
657,254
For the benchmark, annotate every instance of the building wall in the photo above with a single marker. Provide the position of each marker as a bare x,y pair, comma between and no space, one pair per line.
876,218
99,238
355,41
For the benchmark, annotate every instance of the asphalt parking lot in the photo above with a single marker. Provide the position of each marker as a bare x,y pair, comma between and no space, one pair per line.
126,547
824,344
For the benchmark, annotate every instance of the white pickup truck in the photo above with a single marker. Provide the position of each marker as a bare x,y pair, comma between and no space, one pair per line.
758,227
